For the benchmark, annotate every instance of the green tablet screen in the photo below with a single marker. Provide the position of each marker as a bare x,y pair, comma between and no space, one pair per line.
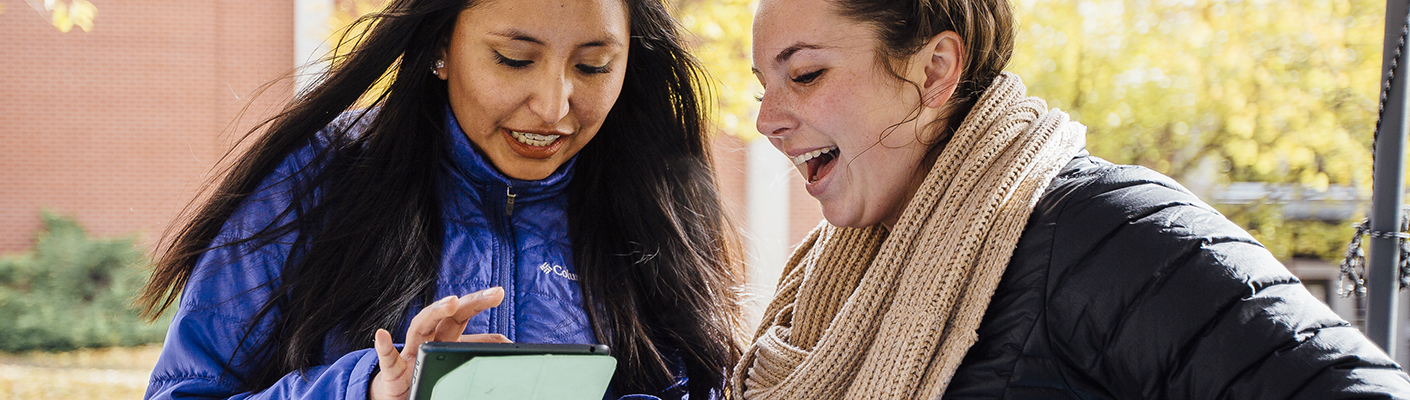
528,377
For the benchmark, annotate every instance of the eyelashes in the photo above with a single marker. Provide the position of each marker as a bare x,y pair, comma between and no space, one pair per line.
808,77
520,64
510,62
593,70
803,79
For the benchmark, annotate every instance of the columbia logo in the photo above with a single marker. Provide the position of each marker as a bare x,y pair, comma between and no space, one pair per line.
558,270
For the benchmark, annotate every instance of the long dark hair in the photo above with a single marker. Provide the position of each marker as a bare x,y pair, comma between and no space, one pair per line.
656,257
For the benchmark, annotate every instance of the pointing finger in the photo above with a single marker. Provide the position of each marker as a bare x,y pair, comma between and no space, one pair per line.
476,303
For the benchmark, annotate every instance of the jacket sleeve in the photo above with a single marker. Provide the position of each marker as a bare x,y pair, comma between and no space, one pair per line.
1156,295
195,364
228,287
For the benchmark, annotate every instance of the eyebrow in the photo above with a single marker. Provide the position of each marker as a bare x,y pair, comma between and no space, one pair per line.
788,52
796,47
518,35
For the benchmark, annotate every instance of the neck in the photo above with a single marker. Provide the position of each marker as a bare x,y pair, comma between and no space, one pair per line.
917,179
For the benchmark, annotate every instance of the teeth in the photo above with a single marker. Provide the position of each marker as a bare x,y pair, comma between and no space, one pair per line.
811,155
533,139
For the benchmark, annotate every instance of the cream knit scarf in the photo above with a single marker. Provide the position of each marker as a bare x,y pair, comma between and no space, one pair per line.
863,314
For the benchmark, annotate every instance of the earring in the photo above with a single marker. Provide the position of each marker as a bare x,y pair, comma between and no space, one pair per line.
437,69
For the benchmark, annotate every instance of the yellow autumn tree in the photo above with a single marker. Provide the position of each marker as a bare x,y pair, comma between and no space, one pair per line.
719,32
1218,91
1269,91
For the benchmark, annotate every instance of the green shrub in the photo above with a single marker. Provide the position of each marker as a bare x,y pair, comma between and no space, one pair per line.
73,291
1286,239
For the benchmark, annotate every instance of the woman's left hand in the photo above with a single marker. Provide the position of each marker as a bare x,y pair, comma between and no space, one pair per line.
443,321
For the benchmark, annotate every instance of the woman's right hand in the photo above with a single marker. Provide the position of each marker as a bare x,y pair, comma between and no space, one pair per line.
442,321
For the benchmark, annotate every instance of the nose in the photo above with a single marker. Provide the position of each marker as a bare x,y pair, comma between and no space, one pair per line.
775,120
550,96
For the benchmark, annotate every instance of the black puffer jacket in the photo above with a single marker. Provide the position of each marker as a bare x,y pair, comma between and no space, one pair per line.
1126,286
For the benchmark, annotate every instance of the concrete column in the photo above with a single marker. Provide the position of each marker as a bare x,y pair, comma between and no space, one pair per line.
768,209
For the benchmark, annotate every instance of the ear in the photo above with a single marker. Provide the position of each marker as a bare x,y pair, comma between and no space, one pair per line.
441,55
943,61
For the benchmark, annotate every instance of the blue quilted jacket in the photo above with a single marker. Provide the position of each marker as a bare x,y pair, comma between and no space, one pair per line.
498,232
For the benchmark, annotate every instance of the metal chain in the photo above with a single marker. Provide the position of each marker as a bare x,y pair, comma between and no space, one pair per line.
1354,264
1353,267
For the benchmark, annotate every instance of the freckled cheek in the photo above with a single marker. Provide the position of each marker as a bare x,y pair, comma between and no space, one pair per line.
831,113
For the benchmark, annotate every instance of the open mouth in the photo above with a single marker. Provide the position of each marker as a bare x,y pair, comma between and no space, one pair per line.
818,163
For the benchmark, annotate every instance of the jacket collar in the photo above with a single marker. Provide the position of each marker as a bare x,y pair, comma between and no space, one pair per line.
474,172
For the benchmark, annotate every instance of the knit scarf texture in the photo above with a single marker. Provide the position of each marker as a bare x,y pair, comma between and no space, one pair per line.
863,314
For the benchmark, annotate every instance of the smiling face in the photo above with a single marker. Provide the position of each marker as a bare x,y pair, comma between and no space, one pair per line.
846,122
530,81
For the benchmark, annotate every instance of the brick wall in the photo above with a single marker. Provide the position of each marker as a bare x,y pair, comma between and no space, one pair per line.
119,125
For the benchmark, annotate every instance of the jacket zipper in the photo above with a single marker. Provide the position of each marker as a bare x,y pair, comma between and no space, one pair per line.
506,267
509,201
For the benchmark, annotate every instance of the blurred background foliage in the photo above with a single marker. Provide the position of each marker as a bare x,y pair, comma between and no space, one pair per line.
1213,92
1207,91
1267,91
73,291
720,31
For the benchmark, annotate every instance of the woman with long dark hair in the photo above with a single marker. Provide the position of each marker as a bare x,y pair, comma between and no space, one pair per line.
539,167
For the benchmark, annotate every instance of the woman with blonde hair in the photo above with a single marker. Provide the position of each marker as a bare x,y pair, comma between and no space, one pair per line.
973,249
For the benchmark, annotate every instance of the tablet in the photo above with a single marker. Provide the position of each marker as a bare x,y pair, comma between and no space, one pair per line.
490,371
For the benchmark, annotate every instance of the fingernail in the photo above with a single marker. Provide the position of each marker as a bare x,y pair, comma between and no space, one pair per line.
487,292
